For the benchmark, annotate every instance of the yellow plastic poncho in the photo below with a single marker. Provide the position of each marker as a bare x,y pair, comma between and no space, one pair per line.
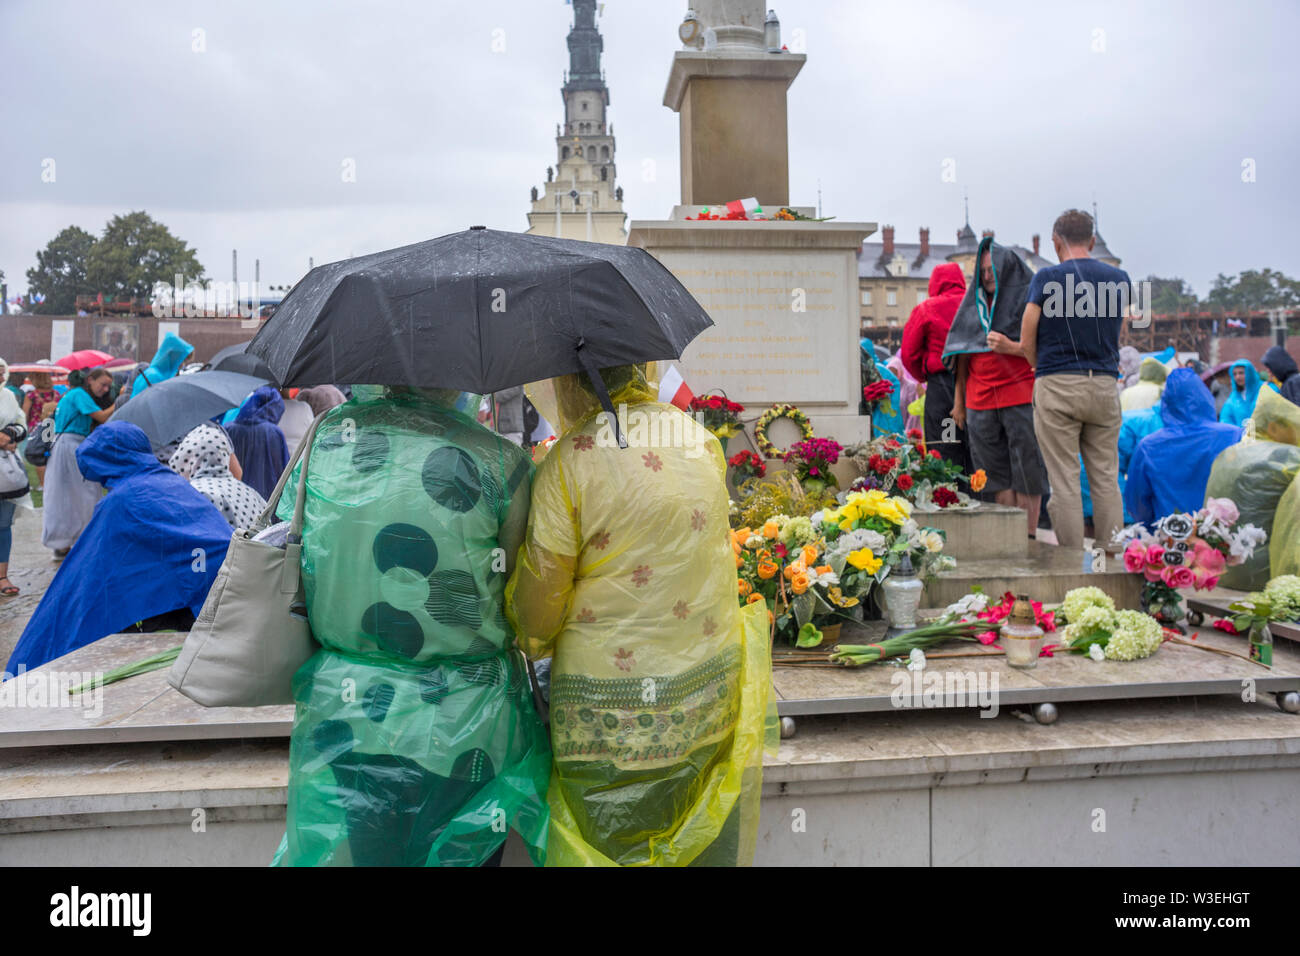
660,683
1146,393
1278,420
1261,474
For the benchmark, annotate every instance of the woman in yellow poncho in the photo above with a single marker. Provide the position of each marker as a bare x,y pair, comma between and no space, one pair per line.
659,681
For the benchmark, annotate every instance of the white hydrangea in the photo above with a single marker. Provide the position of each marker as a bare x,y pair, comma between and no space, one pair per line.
1080,598
1283,592
1137,635
754,542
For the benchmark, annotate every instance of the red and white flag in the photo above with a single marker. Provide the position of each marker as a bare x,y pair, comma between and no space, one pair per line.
745,207
673,390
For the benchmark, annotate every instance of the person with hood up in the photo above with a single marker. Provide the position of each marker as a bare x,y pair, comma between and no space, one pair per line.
994,391
922,355
413,516
1170,468
167,361
258,441
206,458
1286,377
660,680
153,546
1246,384
1146,393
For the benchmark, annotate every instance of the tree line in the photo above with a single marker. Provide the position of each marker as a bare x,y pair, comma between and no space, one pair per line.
134,252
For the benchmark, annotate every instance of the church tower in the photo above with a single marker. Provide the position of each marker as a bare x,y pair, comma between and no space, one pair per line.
580,199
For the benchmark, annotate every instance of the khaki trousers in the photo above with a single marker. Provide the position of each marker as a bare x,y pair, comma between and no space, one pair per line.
1079,414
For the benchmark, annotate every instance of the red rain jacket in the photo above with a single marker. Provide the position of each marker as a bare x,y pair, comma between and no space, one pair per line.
927,326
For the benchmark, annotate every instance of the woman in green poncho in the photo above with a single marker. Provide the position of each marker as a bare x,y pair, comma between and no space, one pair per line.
415,740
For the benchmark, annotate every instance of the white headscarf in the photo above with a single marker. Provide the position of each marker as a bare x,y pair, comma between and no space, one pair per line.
203,456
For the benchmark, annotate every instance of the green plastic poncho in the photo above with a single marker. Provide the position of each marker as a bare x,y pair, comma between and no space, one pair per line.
1260,476
415,741
660,683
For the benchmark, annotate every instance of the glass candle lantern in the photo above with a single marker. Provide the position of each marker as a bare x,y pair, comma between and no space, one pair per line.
902,590
1022,638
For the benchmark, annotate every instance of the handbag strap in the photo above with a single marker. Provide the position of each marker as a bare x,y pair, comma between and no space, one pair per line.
303,451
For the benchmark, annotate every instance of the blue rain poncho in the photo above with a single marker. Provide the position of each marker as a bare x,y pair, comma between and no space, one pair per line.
1170,467
1241,403
154,545
167,361
1136,425
258,441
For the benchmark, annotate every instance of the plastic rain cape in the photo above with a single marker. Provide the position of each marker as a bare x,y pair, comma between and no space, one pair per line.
1190,440
153,545
1260,476
660,685
1241,401
167,361
415,739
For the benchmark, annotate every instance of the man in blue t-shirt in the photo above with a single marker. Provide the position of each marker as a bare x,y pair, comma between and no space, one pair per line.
1070,334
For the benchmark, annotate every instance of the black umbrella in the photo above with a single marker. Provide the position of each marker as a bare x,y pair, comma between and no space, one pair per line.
167,411
234,358
479,311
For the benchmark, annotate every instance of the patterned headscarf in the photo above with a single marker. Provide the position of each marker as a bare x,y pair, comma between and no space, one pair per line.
203,456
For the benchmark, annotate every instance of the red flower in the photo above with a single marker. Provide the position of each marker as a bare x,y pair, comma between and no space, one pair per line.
904,481
934,453
892,445
780,550
943,497
914,434
1226,625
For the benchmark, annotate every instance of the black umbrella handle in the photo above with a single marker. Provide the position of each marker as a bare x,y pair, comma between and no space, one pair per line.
602,393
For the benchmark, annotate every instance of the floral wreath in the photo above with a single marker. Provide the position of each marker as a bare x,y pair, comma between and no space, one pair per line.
765,446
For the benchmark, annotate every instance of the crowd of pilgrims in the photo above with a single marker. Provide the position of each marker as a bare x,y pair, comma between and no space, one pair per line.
618,571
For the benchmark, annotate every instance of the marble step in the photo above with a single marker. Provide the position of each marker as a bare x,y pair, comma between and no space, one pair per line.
1045,572
985,531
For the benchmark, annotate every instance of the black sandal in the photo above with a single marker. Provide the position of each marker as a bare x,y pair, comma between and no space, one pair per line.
10,591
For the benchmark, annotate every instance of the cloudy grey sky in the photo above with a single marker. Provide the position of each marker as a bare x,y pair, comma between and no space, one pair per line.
1150,107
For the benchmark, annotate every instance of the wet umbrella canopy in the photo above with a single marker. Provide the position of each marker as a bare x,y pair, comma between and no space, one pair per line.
234,358
478,311
171,408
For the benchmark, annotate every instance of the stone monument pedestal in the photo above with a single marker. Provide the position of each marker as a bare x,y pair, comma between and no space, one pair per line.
783,295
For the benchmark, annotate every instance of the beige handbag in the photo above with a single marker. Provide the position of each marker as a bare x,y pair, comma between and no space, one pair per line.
252,634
